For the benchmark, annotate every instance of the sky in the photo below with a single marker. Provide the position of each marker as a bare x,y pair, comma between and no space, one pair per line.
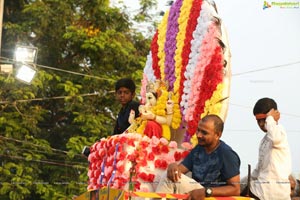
265,48
262,39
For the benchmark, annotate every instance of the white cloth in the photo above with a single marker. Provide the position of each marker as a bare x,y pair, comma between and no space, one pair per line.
269,181
183,186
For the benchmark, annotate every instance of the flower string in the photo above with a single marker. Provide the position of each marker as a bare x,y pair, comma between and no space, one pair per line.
214,104
161,39
176,120
155,59
180,38
170,45
191,25
212,77
206,51
198,37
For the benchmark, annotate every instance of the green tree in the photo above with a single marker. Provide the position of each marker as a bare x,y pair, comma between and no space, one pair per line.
45,125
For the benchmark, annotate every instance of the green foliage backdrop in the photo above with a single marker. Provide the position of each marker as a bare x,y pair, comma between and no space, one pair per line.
45,125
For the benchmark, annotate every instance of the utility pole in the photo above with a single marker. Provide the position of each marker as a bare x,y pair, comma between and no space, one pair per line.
1,21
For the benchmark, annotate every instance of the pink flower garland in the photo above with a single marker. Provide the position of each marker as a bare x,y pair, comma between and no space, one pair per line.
207,49
192,23
211,78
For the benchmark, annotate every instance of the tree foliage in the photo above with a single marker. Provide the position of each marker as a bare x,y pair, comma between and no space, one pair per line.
84,46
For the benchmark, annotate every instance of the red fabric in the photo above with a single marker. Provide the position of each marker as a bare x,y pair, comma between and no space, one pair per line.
153,129
260,116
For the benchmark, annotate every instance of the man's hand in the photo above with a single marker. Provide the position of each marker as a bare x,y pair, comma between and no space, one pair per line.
198,194
173,173
274,113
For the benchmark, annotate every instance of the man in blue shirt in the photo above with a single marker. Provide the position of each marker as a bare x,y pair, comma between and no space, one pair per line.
214,165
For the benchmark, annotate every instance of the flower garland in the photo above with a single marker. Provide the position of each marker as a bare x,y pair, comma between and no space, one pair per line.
144,88
182,22
161,38
176,120
170,45
147,157
206,51
155,59
191,25
160,107
212,77
214,104
195,57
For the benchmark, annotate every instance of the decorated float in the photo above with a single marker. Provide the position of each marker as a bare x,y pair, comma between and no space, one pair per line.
187,76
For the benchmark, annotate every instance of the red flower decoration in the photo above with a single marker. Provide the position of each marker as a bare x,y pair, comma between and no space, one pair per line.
184,154
123,140
177,156
155,59
211,78
137,185
151,156
143,162
144,144
151,178
111,150
133,157
121,169
162,164
156,150
122,155
130,142
191,26
165,149
143,176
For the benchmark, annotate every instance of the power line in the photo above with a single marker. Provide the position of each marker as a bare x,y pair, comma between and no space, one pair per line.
32,144
266,68
50,98
75,73
12,61
45,161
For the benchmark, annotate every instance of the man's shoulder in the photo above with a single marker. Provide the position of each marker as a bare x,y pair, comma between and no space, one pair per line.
225,149
224,146
133,103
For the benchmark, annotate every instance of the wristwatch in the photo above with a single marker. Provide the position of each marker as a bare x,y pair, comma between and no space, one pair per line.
208,192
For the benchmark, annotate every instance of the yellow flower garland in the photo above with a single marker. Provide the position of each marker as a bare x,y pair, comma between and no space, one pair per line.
161,39
182,22
213,105
176,120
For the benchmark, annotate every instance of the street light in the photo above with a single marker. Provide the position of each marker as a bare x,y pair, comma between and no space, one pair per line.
26,54
25,73
26,58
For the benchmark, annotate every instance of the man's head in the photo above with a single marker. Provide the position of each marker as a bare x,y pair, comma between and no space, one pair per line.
125,90
260,110
210,130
